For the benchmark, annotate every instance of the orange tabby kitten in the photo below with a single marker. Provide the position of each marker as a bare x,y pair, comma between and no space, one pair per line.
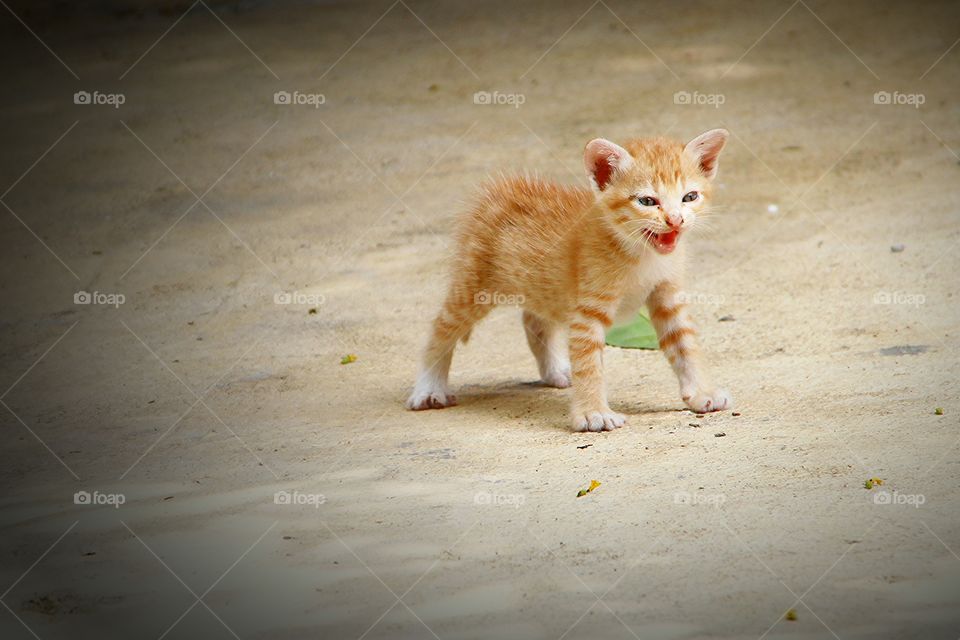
577,259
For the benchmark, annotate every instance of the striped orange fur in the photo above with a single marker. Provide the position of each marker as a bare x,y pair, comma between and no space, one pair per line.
597,314
575,259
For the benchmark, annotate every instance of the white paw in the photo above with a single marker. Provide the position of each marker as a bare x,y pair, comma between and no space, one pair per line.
559,378
706,401
431,398
598,421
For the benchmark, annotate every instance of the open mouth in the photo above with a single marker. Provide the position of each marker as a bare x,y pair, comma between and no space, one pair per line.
663,242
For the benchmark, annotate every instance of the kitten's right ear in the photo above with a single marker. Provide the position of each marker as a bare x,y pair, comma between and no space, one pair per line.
706,148
603,159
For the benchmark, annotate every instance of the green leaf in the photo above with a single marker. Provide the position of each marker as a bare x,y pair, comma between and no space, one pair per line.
638,334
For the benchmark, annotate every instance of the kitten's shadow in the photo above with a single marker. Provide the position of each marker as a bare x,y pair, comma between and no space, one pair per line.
639,409
533,401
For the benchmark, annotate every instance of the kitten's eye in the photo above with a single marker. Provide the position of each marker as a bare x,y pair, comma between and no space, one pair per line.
690,197
647,201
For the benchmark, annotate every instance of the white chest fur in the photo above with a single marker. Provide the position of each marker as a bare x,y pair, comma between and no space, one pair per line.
652,270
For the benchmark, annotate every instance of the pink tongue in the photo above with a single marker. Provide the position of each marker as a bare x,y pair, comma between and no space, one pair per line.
667,238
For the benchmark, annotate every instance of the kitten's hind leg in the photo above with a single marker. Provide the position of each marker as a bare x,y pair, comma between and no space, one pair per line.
453,323
548,342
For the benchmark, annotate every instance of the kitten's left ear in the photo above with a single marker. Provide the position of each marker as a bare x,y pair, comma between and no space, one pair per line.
705,148
603,159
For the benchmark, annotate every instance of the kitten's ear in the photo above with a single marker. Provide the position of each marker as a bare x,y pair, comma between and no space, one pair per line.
602,159
705,148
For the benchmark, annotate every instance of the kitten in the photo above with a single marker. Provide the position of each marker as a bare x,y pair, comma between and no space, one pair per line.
578,259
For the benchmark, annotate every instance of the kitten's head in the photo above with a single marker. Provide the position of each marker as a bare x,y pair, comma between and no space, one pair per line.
653,189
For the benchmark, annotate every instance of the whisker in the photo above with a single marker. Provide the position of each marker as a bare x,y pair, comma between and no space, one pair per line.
637,235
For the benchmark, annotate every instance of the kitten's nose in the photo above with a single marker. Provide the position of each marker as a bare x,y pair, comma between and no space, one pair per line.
672,219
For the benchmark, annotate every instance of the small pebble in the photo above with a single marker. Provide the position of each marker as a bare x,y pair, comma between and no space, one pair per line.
719,435
772,208
938,411
694,425
735,414
897,248
726,319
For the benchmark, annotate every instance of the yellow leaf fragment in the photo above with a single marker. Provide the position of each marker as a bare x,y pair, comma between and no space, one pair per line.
593,485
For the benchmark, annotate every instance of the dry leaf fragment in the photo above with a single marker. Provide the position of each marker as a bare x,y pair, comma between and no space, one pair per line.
593,485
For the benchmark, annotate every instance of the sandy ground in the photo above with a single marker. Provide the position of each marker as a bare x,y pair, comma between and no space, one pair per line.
200,397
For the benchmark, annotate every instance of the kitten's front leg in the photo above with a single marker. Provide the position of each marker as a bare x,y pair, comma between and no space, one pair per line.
590,409
678,342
